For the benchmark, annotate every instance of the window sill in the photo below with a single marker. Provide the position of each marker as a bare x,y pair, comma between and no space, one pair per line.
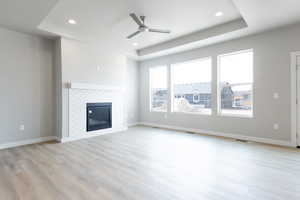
236,116
153,111
191,113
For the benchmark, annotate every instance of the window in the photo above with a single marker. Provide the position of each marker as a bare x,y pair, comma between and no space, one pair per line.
159,89
236,84
196,98
191,86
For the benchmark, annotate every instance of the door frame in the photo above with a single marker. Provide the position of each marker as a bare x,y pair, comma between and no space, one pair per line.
295,100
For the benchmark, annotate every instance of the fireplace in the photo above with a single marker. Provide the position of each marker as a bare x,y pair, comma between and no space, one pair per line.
98,116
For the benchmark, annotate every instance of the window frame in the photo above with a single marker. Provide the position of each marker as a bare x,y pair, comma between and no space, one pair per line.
171,89
150,88
219,109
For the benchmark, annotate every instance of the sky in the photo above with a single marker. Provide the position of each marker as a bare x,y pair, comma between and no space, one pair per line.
237,68
158,77
192,72
234,68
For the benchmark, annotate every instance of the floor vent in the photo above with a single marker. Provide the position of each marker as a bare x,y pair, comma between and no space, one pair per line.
239,140
189,132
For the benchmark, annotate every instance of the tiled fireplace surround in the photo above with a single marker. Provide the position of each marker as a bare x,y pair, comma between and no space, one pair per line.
79,95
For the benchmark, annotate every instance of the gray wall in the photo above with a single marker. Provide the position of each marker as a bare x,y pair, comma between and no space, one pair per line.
271,74
57,87
26,86
132,92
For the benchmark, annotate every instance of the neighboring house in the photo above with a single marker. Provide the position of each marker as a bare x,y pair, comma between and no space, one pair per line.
159,97
200,94
236,96
242,98
195,93
227,96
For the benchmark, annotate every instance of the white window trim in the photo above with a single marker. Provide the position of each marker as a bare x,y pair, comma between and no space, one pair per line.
193,113
219,110
294,96
150,87
171,91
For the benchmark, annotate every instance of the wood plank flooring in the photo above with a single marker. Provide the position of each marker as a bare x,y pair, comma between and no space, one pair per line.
150,164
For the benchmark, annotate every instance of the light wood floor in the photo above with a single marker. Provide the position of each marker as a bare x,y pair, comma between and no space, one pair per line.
150,164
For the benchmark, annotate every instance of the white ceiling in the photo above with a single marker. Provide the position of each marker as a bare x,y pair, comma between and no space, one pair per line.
107,22
266,14
25,15
111,18
260,15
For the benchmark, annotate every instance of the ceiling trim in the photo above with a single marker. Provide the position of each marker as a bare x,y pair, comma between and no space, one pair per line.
195,37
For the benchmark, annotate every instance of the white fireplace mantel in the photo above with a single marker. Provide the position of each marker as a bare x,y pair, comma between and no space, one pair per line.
87,86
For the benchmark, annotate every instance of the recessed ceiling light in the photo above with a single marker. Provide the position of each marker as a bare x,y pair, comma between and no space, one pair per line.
72,21
219,14
135,44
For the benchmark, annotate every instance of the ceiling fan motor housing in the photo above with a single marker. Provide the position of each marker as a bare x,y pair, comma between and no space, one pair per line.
144,28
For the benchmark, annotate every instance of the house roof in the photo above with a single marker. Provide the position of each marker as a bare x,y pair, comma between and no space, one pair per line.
203,88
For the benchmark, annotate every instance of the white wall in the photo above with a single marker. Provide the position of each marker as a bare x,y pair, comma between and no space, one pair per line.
132,92
26,85
80,62
271,74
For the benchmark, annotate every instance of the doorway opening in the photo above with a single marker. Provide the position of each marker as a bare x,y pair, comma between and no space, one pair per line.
295,97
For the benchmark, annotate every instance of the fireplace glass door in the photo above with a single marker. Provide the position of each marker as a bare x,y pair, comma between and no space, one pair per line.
99,116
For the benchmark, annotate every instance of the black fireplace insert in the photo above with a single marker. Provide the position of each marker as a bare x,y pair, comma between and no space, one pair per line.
98,116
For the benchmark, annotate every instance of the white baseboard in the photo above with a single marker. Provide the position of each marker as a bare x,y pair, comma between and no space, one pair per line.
134,124
90,135
228,135
198,131
27,142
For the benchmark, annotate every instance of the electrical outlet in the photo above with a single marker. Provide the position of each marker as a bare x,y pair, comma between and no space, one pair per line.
98,68
22,127
276,95
276,127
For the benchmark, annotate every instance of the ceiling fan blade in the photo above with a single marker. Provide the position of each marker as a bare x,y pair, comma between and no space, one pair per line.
133,34
159,31
136,19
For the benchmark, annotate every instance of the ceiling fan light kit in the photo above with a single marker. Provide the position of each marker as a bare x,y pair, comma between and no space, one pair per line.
140,21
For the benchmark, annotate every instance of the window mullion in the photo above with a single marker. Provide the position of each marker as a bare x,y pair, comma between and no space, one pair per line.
170,89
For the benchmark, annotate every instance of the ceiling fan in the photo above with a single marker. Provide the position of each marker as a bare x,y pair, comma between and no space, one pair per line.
142,27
